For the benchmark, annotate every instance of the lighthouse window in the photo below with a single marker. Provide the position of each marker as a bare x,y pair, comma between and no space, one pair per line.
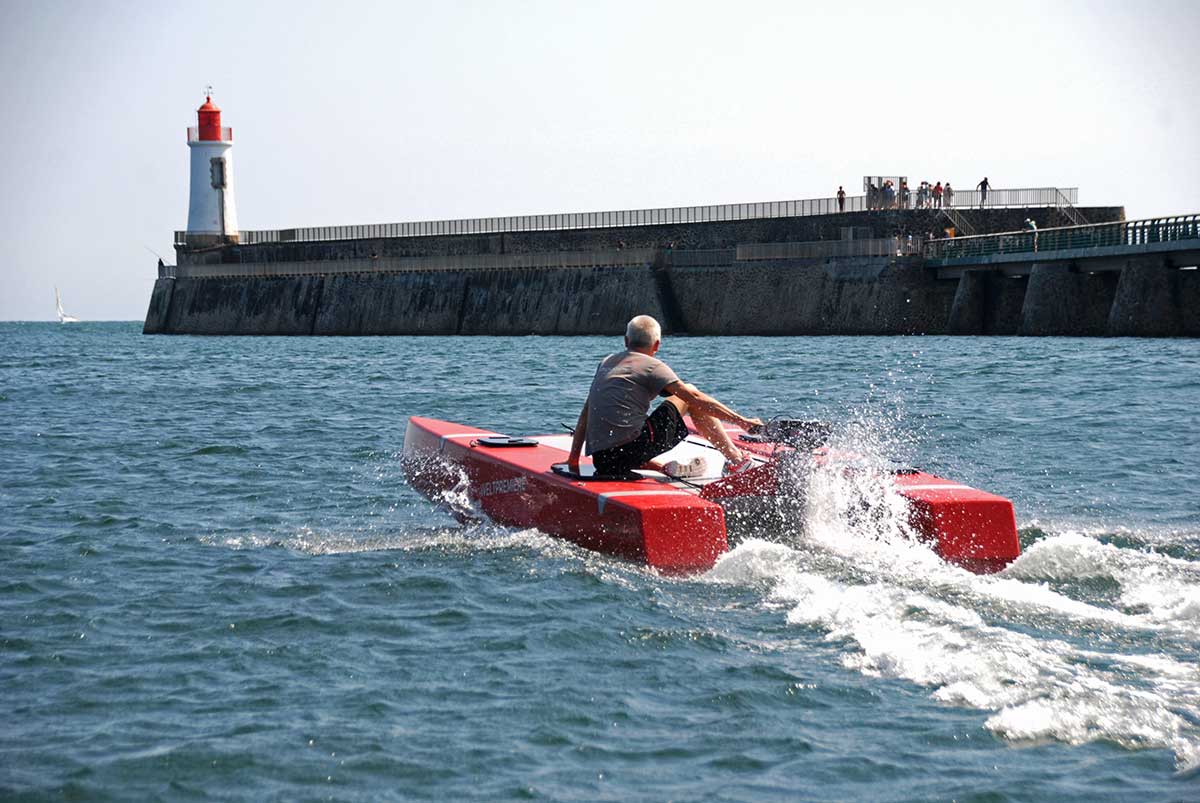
218,173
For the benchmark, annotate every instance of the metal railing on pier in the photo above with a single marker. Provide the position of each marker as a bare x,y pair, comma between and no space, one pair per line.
1057,197
1067,238
1042,196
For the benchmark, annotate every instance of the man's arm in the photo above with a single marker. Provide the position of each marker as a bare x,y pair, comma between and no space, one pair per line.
577,440
702,402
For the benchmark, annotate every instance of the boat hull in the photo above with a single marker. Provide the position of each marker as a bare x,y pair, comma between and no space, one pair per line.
672,525
645,521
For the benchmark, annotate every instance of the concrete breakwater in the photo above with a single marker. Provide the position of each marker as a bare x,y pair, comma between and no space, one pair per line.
534,283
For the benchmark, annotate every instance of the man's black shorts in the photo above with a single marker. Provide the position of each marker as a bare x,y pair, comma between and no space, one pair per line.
663,431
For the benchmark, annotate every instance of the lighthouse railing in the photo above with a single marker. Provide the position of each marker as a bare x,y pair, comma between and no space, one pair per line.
193,134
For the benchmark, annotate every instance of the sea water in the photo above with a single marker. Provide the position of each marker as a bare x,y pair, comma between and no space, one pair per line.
217,585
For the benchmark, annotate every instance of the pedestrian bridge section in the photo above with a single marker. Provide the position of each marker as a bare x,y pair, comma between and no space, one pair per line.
1136,277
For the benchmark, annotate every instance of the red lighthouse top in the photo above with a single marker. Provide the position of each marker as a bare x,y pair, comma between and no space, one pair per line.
209,117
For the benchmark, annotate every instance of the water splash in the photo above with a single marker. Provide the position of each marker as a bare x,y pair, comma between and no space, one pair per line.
446,484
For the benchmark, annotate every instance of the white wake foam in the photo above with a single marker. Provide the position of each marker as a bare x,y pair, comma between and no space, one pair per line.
1166,588
1045,664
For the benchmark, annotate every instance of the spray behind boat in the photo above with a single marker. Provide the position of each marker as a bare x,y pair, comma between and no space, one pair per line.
802,449
779,512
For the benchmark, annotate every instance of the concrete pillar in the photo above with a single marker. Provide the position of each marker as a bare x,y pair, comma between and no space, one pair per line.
1148,302
1188,282
987,303
1059,301
969,311
1006,299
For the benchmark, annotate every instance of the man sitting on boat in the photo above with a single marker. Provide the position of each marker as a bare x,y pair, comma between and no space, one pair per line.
619,434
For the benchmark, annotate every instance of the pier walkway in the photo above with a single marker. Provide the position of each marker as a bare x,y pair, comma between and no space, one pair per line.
1135,277
1171,241
1060,198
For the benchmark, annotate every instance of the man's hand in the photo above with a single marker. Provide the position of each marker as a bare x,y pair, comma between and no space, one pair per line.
578,439
751,424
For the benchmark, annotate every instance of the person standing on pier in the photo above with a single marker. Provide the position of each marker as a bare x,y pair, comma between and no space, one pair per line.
937,195
841,196
983,188
948,195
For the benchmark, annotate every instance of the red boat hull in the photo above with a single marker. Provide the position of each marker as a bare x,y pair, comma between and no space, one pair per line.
644,521
672,526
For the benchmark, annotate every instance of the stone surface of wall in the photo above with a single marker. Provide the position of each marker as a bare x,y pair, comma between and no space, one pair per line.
846,296
495,302
813,297
837,296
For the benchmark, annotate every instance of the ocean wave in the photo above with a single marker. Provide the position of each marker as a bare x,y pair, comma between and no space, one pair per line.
218,449
474,538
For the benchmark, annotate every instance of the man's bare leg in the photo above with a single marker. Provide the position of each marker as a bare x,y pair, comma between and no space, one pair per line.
712,429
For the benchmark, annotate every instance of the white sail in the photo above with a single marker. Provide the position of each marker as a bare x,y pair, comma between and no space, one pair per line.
63,317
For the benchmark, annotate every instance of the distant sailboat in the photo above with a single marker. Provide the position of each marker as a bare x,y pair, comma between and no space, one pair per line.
63,317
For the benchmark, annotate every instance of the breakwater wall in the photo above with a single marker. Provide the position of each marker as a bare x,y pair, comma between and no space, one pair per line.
532,283
846,296
879,295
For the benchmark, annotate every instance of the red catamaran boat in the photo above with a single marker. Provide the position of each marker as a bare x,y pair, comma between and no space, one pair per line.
673,524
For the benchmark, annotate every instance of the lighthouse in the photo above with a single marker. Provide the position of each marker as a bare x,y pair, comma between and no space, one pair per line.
211,211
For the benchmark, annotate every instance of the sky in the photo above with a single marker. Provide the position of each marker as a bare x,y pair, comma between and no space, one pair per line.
358,112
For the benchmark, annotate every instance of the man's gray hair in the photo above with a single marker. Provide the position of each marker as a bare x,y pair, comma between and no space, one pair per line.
642,331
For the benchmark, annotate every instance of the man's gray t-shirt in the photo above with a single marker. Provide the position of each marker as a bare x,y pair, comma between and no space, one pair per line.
624,385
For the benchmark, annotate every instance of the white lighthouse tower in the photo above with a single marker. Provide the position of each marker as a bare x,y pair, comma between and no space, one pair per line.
211,211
